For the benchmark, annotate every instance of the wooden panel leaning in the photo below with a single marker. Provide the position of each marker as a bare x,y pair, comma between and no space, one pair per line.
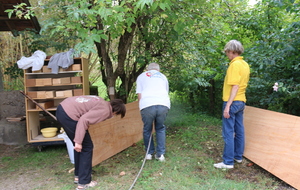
273,143
114,135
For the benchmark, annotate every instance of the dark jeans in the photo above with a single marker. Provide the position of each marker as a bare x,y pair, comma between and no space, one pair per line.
83,159
155,114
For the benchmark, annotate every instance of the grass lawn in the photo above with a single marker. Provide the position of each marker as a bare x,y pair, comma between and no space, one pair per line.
194,143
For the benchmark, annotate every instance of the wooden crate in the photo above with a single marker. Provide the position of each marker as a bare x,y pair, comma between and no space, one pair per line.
272,141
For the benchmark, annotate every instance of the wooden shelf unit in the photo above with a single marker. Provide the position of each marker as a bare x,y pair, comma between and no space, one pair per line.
49,90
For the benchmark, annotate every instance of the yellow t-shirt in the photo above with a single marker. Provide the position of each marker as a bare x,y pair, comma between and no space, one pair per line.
238,73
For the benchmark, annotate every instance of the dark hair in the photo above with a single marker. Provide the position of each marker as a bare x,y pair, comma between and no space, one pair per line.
118,107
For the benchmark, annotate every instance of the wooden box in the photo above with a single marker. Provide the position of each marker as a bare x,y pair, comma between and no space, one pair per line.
43,82
41,94
45,105
45,94
74,67
77,92
32,94
65,80
39,71
30,82
45,69
64,93
76,79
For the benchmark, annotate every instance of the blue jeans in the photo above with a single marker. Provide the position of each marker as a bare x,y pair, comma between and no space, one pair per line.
155,114
233,133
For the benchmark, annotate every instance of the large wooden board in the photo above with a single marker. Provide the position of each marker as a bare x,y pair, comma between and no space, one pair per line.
273,142
114,135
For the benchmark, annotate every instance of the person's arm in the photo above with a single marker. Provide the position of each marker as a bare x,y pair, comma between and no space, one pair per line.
139,96
233,93
93,116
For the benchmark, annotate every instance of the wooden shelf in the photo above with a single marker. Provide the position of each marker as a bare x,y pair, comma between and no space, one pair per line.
41,138
65,72
49,89
70,84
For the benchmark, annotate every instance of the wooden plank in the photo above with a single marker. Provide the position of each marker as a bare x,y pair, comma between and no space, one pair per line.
273,143
114,135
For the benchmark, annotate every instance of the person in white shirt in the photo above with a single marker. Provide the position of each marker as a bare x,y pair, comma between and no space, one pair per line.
154,104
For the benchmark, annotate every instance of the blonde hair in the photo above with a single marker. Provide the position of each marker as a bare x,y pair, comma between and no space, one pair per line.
235,46
153,66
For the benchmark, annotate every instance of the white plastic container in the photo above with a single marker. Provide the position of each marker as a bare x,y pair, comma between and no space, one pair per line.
69,144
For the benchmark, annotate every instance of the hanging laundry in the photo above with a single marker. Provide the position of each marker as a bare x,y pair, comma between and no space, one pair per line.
64,60
36,61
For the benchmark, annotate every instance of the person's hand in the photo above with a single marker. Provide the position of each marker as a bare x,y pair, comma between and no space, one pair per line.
78,147
226,113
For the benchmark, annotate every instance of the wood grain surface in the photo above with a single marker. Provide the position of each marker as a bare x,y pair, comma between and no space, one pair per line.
273,143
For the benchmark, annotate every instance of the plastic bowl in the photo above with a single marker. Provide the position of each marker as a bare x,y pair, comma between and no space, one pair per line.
49,132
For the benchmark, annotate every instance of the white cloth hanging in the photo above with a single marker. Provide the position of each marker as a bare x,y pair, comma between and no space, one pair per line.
36,61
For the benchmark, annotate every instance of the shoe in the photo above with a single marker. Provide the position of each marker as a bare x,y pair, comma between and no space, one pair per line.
148,157
86,186
223,166
161,158
238,161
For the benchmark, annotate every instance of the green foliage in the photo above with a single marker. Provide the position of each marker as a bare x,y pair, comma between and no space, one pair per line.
21,10
186,38
13,71
274,58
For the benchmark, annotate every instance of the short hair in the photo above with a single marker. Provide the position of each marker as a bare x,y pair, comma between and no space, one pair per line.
153,66
118,107
235,46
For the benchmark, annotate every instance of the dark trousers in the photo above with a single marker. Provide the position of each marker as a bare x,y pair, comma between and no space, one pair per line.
83,159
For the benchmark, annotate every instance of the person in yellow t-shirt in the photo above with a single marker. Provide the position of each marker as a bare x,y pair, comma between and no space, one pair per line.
234,99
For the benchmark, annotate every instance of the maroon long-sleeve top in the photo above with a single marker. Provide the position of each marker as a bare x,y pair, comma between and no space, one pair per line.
86,110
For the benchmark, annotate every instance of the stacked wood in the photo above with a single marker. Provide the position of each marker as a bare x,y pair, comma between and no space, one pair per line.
15,118
273,143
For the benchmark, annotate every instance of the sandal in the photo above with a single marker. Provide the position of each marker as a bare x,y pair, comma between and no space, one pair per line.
86,186
76,180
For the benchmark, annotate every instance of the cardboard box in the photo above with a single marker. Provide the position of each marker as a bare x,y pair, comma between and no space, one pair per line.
43,82
76,79
45,69
45,105
77,92
65,80
64,93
